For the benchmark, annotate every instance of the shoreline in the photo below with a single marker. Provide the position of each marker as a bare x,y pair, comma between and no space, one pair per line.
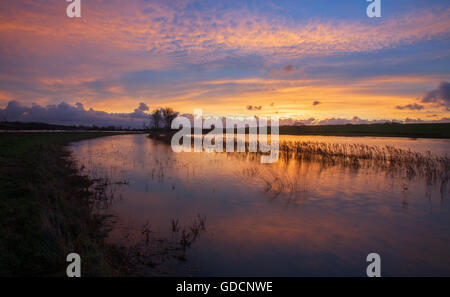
46,209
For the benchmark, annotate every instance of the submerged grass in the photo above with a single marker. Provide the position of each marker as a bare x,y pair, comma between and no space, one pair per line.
402,165
46,208
149,254
433,168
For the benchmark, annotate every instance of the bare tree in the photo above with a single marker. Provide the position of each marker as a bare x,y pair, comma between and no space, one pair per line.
155,118
162,117
168,115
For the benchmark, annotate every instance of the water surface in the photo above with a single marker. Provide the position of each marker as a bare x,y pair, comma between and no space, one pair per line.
324,221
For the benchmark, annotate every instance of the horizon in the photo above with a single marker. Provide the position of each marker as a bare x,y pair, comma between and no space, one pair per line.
141,120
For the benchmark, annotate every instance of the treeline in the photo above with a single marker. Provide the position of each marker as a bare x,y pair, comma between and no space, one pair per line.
43,126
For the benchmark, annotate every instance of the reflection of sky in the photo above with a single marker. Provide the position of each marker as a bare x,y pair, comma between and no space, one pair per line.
225,55
325,221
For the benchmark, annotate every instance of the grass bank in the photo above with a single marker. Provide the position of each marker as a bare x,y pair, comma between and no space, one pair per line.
441,130
46,208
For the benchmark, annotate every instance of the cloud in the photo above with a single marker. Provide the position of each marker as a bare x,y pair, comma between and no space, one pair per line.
316,103
288,68
296,122
162,27
253,107
143,107
358,121
176,47
355,121
439,96
420,121
414,106
66,114
284,70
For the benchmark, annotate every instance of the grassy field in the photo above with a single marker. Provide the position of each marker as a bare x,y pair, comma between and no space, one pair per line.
386,130
45,208
440,130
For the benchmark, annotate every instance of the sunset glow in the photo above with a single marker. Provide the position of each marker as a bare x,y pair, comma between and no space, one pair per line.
293,59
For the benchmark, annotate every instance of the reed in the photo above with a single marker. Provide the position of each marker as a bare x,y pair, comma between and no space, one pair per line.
433,168
150,253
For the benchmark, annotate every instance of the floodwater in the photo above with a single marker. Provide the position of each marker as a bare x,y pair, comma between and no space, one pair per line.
319,220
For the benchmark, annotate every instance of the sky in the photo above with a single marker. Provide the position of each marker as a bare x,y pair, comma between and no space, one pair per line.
314,61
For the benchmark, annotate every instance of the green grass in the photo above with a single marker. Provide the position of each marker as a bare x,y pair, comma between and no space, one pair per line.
45,210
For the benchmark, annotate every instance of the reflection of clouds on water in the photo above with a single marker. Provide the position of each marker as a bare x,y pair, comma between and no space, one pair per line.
288,218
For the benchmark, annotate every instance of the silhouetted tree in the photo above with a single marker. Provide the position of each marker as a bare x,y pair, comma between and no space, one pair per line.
156,117
162,118
168,115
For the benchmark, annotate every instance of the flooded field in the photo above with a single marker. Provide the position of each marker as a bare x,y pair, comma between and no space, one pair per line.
234,216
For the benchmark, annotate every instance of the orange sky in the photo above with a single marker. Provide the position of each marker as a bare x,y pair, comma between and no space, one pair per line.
286,59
